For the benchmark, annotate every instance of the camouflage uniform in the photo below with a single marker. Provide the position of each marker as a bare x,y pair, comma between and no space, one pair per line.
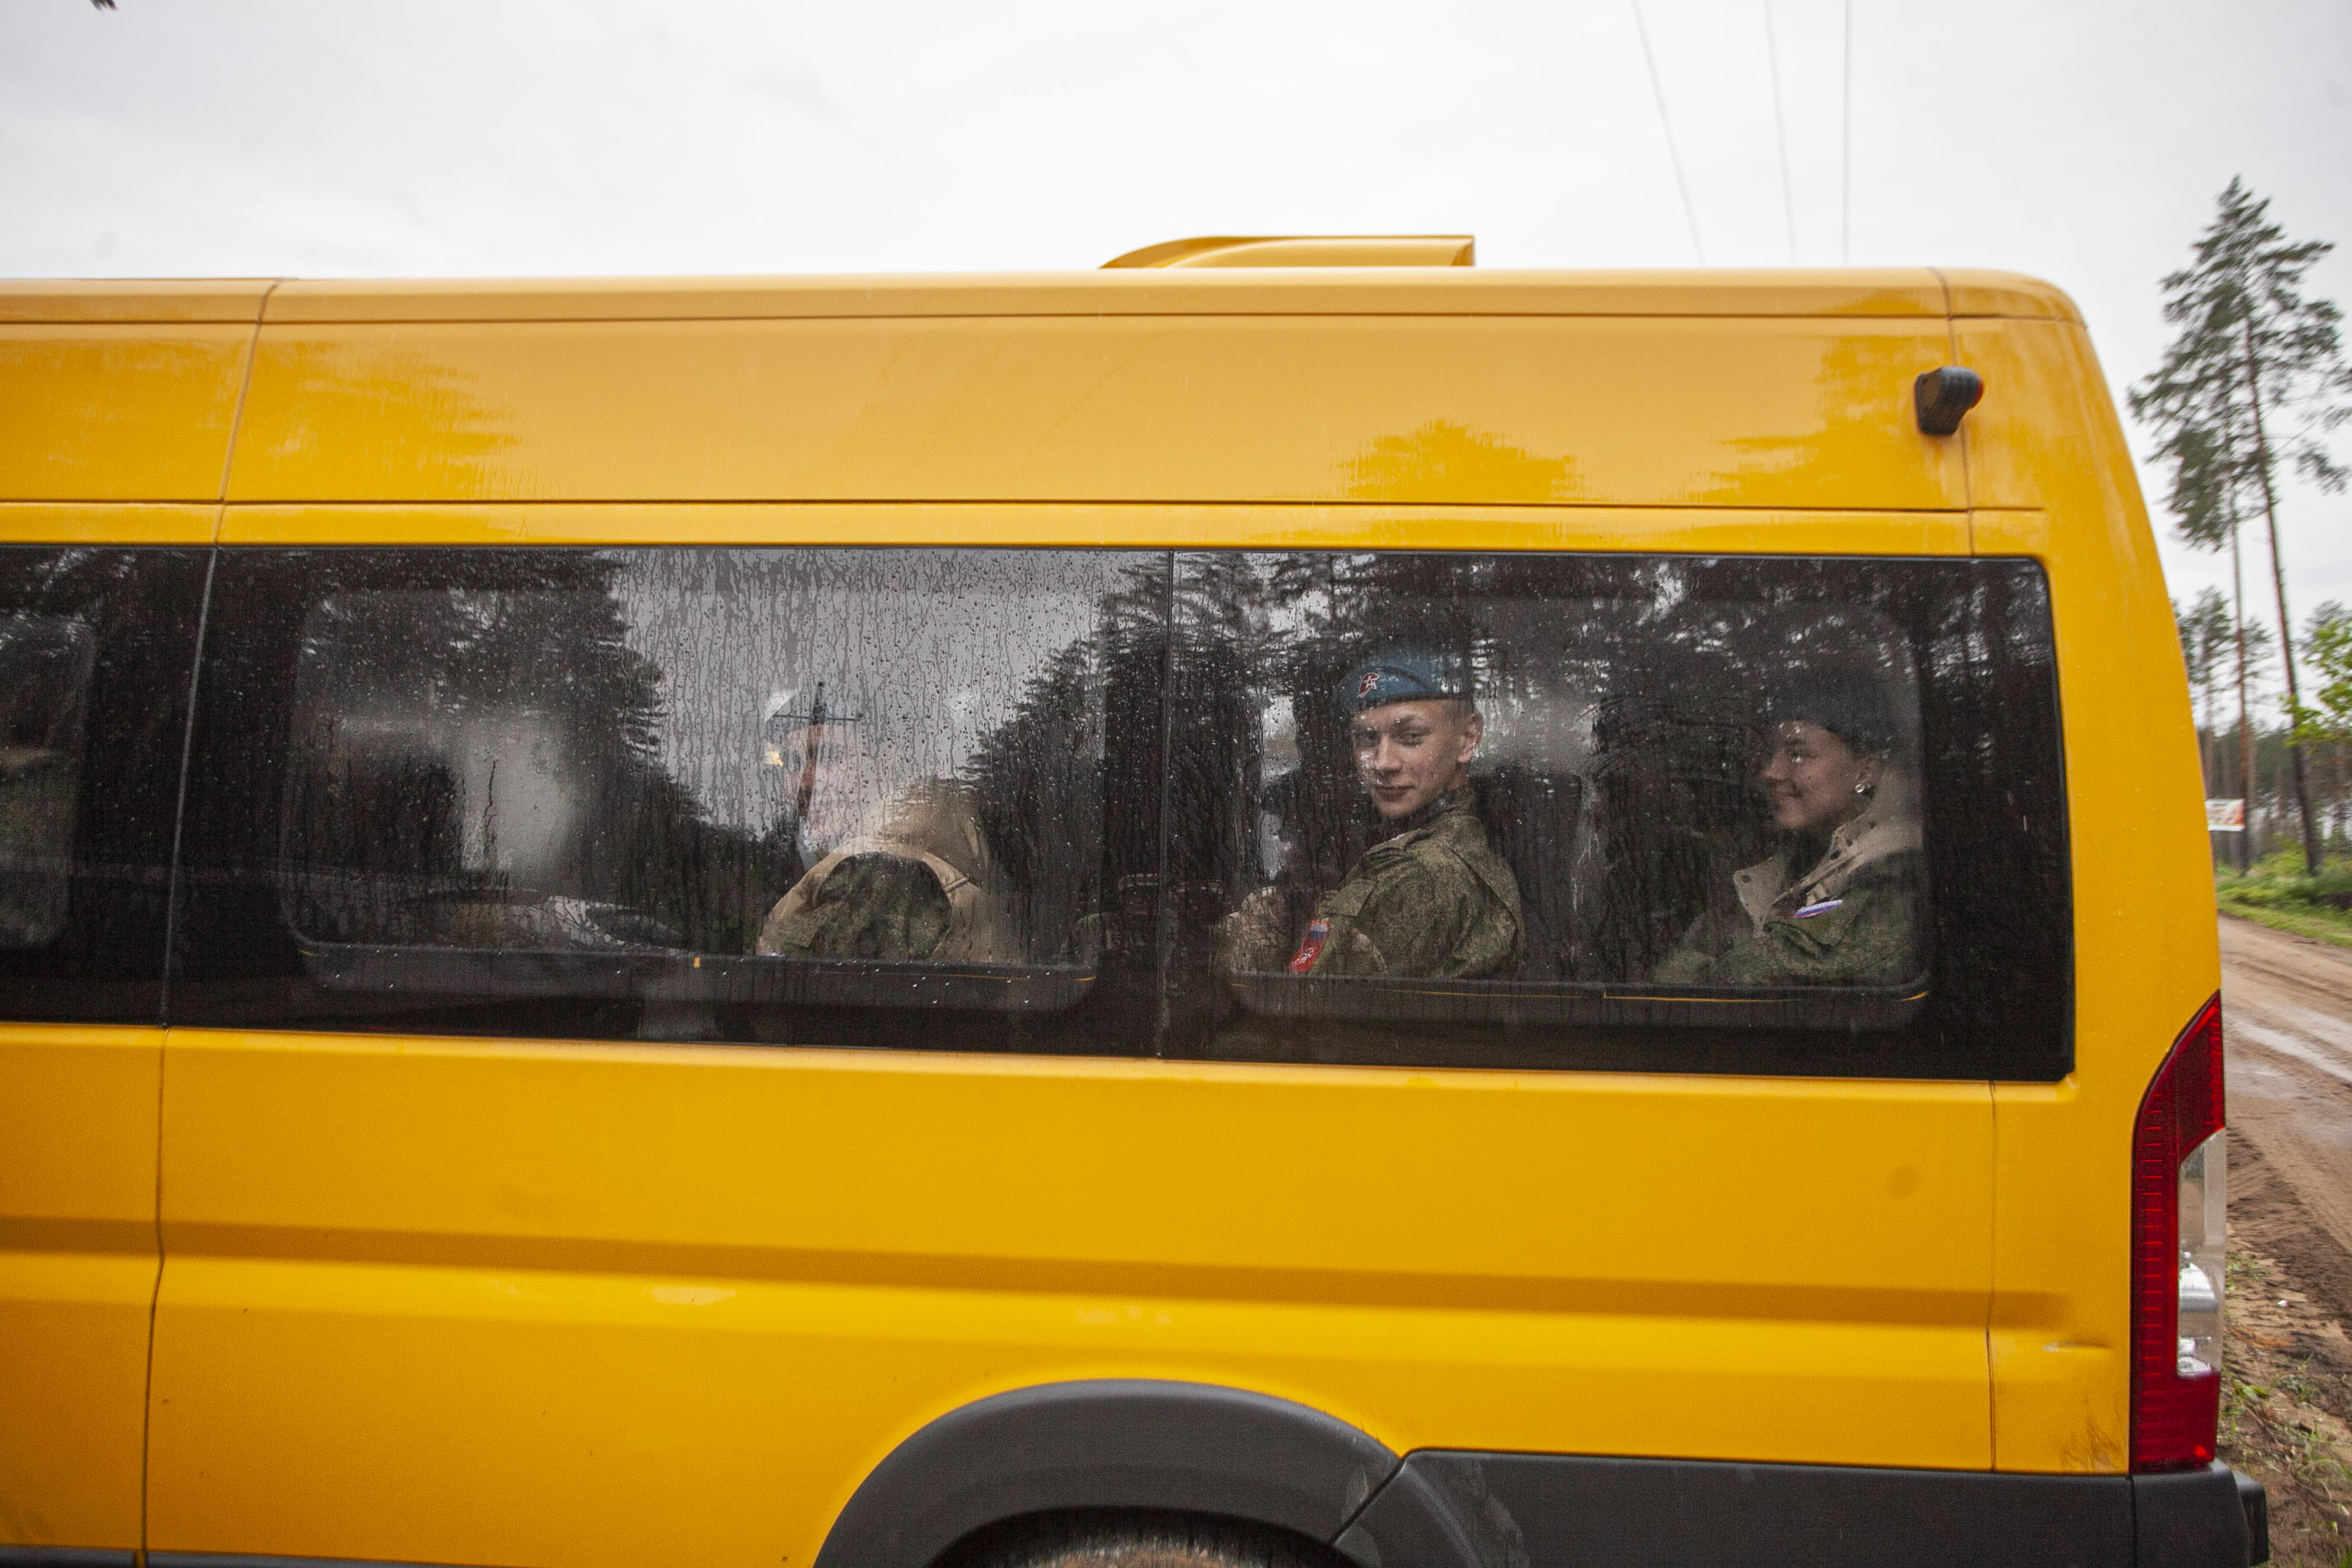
873,905
1852,920
900,894
1435,901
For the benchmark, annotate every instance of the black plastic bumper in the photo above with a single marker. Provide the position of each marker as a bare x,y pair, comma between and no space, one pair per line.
1509,1510
1440,1509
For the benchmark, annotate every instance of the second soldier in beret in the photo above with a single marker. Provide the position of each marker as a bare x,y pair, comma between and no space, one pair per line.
1434,899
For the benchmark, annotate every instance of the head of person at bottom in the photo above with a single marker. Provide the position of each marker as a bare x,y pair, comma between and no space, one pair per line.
1413,727
1825,751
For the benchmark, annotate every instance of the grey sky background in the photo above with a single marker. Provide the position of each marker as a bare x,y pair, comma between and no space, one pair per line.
2083,140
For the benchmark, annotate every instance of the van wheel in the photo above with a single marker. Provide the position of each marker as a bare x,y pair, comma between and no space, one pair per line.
1141,1540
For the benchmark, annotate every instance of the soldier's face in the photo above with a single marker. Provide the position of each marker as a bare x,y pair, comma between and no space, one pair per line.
819,785
1409,753
1812,780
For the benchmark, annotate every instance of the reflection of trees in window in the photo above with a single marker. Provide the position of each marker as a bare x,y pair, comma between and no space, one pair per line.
1087,726
87,783
1037,782
45,667
568,751
1670,815
1225,639
486,764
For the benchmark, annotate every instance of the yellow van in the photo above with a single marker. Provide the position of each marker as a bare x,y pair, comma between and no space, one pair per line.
1272,906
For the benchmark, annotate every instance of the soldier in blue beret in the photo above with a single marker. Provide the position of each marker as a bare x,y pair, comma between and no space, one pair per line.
1432,900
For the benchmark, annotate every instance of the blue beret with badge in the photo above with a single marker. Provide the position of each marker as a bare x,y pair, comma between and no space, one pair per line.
1401,675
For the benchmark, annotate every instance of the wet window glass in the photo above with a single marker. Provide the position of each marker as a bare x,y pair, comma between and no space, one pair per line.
97,651
45,669
1540,799
1491,787
696,782
1655,812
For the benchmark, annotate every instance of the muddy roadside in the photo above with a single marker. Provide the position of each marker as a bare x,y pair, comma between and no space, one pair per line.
2286,1419
2286,1410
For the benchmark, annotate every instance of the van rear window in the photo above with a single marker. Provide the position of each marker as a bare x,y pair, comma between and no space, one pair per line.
1722,814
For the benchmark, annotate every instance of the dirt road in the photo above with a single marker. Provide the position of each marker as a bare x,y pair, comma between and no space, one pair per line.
2286,1408
2287,1012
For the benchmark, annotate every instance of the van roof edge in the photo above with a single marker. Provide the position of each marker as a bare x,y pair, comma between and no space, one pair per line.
1913,292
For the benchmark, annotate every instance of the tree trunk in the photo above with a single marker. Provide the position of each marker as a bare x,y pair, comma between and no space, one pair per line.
2286,627
2329,766
2245,726
2336,805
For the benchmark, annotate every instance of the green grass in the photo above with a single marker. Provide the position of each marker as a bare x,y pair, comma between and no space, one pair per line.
2278,894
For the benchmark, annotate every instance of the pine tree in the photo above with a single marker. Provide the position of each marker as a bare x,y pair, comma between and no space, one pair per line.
2256,377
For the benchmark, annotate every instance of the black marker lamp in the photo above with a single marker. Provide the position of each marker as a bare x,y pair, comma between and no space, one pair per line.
1944,395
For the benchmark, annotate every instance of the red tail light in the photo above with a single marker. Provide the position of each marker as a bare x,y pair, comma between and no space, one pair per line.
2176,1382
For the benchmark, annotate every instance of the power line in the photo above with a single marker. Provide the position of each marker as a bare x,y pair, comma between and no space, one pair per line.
1674,154
1846,154
1780,130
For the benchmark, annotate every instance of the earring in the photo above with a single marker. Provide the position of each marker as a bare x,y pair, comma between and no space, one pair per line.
1863,790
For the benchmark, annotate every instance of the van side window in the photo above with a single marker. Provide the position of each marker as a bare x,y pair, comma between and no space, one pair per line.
1736,814
1457,777
717,788
98,647
44,670
1534,809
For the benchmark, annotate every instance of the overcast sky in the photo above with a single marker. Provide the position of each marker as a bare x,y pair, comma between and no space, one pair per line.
2083,141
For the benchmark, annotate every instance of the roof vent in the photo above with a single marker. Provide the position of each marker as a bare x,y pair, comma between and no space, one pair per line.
1306,251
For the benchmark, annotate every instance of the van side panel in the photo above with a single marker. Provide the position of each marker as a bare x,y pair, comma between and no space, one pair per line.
2053,480
1396,409
119,413
440,1300
78,1261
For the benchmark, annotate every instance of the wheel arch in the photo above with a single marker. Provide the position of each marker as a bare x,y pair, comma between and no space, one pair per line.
1108,1443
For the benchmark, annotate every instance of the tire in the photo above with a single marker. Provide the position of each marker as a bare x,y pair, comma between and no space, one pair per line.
1142,1541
